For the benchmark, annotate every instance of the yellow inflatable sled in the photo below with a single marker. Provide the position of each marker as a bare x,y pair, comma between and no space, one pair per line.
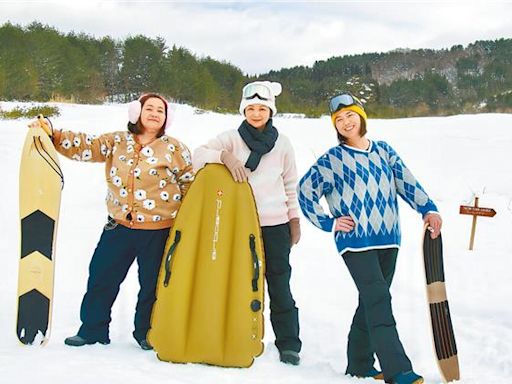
209,306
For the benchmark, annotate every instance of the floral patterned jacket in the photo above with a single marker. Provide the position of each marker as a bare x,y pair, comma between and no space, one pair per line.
145,183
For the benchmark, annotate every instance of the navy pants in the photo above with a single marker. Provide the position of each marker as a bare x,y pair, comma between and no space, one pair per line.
114,254
284,315
373,329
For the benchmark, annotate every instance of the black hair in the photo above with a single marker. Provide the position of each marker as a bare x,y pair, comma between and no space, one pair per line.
342,139
137,128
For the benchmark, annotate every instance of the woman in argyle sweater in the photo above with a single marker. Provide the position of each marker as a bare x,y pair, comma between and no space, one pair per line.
360,180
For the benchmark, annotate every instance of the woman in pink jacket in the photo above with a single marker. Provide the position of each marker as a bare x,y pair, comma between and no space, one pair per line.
256,152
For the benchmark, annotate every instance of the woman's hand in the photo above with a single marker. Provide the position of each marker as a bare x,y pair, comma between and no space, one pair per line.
43,123
235,166
434,222
34,124
294,231
344,224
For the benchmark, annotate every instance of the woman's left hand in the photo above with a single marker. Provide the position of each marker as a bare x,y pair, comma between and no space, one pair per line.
434,222
294,231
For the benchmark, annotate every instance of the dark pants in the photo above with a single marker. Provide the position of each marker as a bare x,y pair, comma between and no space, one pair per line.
373,329
284,315
114,254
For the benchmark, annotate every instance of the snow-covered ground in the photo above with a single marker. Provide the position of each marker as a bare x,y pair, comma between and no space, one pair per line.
453,157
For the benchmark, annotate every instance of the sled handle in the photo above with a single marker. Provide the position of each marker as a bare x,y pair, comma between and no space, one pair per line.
177,238
255,263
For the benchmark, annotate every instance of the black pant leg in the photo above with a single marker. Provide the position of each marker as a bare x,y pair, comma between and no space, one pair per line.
284,314
108,268
366,270
149,258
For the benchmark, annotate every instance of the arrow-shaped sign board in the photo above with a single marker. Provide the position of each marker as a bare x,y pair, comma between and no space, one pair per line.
476,211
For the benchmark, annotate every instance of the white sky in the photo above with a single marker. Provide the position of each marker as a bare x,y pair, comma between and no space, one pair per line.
258,36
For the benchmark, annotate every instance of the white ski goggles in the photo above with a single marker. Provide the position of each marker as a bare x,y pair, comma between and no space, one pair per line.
261,91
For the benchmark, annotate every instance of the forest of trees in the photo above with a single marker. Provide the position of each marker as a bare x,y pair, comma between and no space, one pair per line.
39,63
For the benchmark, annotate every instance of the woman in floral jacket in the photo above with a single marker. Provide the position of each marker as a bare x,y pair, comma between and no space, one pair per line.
147,173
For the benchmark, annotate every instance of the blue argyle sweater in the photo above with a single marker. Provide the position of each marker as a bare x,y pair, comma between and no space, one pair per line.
362,184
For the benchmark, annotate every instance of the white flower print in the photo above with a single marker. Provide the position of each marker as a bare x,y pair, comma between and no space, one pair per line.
76,156
129,149
136,172
110,195
66,144
113,171
128,137
186,176
117,139
176,197
116,202
163,183
164,195
103,150
173,214
86,155
165,138
157,218
169,172
186,157
130,162
116,180
88,139
171,147
76,141
123,192
149,204
140,218
147,151
168,157
152,160
153,172
140,194
122,158
175,170
114,149
124,208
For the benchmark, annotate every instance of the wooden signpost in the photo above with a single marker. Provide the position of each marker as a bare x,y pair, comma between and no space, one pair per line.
475,211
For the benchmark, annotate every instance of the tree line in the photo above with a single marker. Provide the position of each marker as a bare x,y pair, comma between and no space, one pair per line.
39,63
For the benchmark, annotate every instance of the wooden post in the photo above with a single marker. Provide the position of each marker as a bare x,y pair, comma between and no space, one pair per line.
473,227
475,211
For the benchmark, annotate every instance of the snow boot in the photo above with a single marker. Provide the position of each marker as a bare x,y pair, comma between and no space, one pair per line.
289,357
144,344
78,341
373,372
408,377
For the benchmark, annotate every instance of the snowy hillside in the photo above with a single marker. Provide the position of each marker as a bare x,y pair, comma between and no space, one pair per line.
453,157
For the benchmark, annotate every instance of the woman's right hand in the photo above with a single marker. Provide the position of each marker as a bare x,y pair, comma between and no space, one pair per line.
42,123
235,166
344,224
34,124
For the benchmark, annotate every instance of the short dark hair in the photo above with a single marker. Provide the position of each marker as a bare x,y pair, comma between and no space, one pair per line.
137,128
342,139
